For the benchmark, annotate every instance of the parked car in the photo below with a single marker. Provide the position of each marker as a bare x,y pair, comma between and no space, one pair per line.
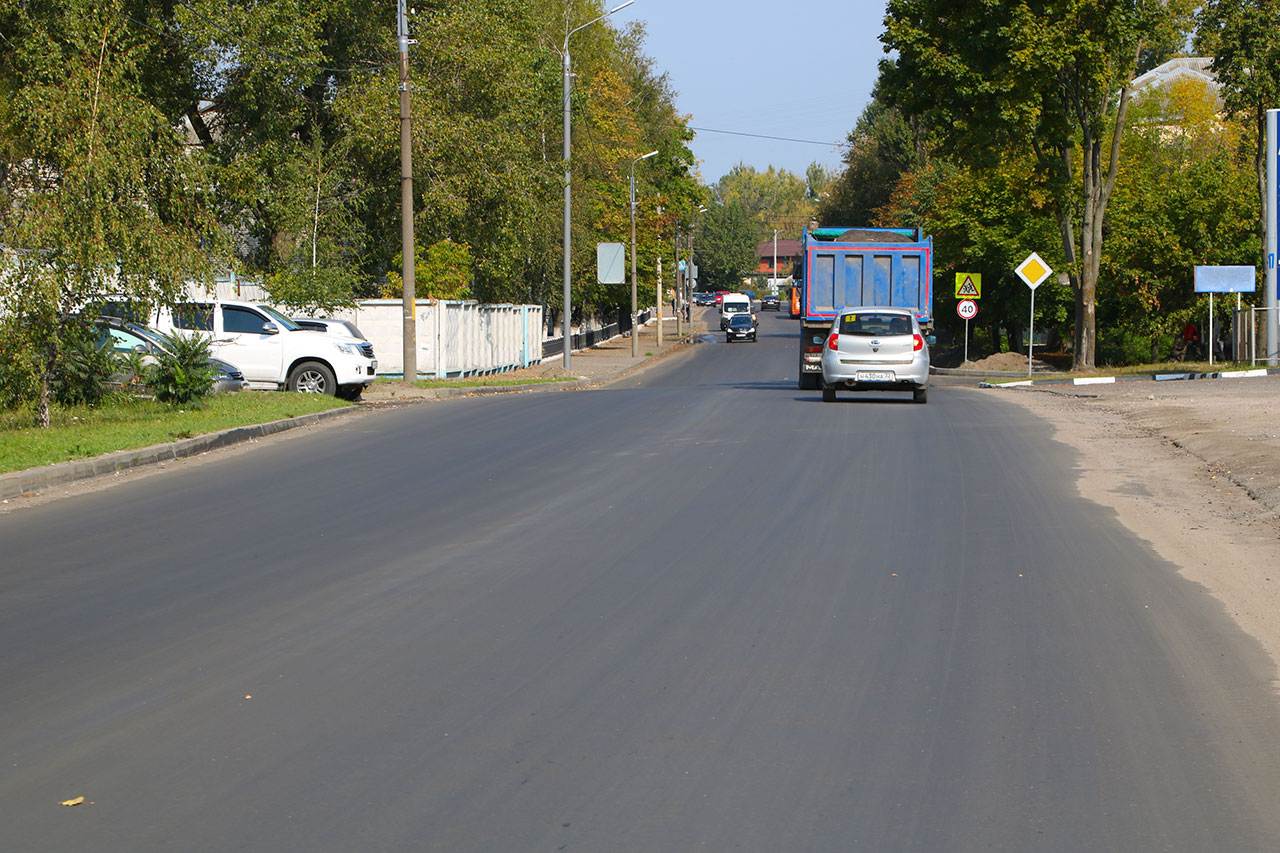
875,349
274,352
769,302
741,327
128,337
341,328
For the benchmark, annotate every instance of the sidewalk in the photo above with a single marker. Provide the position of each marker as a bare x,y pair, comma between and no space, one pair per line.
590,368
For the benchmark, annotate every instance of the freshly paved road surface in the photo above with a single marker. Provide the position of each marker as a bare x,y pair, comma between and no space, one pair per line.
703,611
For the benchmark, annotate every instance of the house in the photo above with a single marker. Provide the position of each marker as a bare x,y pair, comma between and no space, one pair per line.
788,255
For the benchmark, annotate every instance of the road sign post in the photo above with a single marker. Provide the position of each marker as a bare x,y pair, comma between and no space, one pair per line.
967,309
1223,279
1033,271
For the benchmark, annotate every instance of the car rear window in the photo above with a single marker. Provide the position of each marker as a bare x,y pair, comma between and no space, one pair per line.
874,324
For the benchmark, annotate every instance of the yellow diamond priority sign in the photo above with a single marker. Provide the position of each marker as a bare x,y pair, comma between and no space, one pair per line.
968,285
1033,270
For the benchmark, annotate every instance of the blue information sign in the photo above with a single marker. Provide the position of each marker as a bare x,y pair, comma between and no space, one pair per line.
1226,279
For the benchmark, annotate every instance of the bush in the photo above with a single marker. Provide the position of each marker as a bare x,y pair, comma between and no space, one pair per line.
82,369
185,375
19,368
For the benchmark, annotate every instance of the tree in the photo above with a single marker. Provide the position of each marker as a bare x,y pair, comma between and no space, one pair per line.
774,198
1053,76
1241,35
101,197
882,147
726,247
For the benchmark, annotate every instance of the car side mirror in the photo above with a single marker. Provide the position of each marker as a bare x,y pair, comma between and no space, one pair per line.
270,328
930,339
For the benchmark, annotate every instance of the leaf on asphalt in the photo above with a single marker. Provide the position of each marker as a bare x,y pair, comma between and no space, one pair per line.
74,801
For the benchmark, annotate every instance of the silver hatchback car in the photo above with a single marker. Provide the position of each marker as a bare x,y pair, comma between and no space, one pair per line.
875,349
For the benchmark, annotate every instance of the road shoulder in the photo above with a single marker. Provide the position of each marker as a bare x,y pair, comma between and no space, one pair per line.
1169,466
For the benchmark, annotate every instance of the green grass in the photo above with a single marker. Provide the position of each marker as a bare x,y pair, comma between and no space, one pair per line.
81,432
486,381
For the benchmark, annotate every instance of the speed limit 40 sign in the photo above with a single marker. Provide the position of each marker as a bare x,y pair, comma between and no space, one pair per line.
967,309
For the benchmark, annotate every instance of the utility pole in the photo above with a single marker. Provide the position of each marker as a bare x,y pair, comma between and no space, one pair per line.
409,294
1272,248
679,274
658,290
568,177
635,308
774,284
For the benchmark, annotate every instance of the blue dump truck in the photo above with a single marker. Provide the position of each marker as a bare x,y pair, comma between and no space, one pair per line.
847,267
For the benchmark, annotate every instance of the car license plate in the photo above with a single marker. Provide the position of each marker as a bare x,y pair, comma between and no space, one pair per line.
875,375
373,366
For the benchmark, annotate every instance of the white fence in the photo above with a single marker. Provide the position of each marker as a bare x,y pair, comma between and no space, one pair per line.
454,337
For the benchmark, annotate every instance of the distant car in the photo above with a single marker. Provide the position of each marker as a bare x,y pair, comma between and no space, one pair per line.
703,297
720,295
769,303
740,327
341,328
875,349
128,337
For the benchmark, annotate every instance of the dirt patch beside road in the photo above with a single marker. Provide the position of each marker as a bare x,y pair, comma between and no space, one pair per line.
1194,469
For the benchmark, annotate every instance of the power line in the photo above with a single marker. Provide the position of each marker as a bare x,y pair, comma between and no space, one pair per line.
767,136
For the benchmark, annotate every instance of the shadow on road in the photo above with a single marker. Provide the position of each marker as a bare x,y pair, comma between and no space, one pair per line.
893,401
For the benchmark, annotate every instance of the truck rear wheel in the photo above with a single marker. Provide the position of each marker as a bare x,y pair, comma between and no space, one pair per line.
809,382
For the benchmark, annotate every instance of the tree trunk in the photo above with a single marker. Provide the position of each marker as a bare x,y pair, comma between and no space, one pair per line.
46,374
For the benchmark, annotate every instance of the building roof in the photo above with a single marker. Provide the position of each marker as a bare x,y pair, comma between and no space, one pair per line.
786,249
1195,67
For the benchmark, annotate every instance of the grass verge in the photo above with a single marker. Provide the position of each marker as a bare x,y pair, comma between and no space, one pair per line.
82,432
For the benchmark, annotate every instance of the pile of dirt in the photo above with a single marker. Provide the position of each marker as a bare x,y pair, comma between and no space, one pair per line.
1006,361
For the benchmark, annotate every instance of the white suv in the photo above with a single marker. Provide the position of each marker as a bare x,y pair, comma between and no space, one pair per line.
274,352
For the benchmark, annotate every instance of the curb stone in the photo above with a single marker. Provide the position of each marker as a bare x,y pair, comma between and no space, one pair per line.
1254,373
18,483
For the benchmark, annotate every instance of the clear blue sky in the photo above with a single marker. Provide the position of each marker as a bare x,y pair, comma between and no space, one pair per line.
783,69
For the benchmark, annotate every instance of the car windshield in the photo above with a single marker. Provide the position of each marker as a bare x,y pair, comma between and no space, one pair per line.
740,320
158,338
874,324
279,319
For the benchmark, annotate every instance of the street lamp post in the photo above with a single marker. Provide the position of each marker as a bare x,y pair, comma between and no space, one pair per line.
635,308
568,189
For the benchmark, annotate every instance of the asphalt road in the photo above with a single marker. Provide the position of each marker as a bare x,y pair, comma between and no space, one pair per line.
701,611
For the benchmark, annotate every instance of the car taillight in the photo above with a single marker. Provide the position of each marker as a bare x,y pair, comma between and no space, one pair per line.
833,342
918,343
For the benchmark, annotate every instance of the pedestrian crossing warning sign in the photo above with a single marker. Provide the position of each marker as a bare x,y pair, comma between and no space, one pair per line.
968,285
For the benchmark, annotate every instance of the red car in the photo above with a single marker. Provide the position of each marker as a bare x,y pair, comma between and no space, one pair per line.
720,296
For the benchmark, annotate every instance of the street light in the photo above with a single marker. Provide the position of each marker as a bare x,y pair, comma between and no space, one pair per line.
635,308
568,190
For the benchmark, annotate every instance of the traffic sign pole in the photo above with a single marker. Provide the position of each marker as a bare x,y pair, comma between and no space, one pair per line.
1031,338
966,341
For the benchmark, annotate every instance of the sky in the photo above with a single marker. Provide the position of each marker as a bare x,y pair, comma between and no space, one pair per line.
781,69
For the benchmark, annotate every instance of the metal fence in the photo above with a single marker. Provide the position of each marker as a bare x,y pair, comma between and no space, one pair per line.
591,337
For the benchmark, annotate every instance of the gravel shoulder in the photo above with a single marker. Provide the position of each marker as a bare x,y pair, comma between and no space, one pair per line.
1194,469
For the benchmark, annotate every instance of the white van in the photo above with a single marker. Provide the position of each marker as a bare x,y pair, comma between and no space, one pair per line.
733,303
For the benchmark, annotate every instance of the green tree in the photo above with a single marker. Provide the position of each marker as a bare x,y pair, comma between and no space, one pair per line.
773,198
1241,35
725,247
882,147
1045,75
101,197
